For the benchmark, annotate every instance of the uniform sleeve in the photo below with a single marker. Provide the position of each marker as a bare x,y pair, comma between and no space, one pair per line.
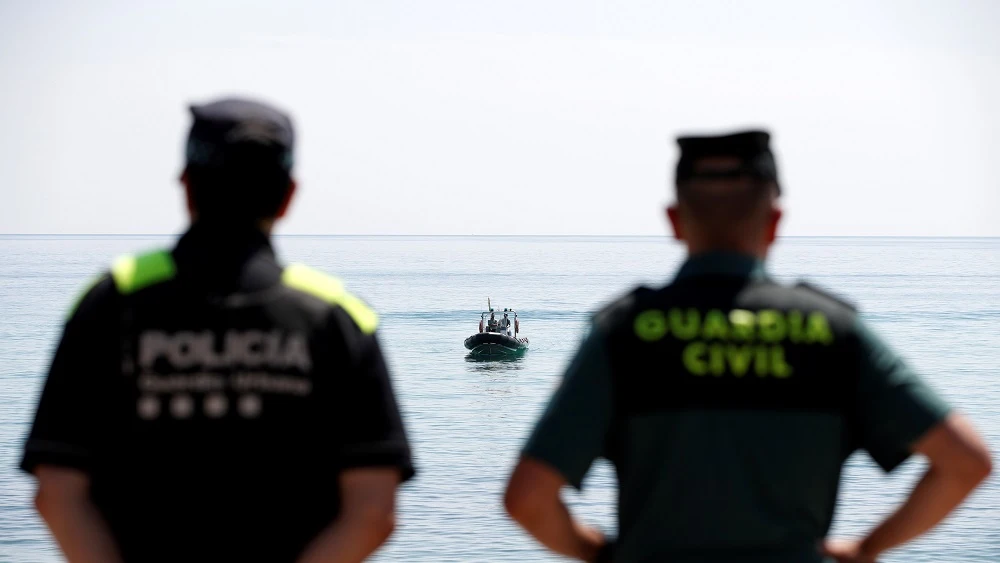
373,432
573,430
895,407
74,402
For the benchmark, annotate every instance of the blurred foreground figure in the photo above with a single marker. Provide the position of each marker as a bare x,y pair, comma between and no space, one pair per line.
206,403
728,403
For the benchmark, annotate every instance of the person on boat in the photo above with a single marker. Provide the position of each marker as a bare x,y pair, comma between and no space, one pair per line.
208,403
728,402
491,325
505,324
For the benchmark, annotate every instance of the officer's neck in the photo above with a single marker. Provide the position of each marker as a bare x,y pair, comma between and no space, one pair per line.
264,226
227,233
758,251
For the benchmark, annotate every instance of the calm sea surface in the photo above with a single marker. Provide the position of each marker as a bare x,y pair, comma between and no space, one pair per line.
935,300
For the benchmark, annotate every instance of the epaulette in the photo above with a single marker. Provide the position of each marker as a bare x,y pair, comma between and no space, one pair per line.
134,272
331,290
620,309
826,294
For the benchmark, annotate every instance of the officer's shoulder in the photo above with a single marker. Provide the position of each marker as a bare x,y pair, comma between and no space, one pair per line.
821,295
132,273
622,308
127,274
97,293
331,290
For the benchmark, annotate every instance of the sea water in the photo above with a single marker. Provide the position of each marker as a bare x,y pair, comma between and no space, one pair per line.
937,301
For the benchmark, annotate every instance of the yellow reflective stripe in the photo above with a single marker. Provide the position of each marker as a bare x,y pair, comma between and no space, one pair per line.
362,314
132,273
331,290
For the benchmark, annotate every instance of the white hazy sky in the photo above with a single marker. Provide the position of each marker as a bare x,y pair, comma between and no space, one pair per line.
427,117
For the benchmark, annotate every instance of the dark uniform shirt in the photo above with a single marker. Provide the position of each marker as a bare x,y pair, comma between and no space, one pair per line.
213,396
727,404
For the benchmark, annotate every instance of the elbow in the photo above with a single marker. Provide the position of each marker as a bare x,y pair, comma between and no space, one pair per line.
379,521
59,490
970,469
957,452
512,503
48,503
42,503
975,466
385,524
532,493
980,468
519,504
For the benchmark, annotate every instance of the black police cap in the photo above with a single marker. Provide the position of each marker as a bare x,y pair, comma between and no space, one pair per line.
752,148
226,131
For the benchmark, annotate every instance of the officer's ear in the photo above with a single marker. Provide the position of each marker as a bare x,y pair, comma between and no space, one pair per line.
674,218
188,198
774,217
288,199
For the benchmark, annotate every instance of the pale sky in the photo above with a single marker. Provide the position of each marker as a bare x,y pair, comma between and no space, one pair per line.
513,117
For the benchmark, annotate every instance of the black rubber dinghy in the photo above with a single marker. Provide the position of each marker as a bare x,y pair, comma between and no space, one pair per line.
495,344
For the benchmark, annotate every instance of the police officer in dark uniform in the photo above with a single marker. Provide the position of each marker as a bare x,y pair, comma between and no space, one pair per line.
206,402
728,403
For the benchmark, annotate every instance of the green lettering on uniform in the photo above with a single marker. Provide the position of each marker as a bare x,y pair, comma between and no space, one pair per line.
742,322
133,273
715,326
739,359
693,358
795,332
331,290
779,368
684,324
818,329
772,325
717,359
650,325
760,361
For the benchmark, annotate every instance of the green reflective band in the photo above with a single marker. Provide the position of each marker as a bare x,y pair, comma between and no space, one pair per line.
331,290
132,273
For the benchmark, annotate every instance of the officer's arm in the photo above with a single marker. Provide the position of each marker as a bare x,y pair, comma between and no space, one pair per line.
374,454
533,500
63,501
959,462
568,438
68,426
366,518
900,415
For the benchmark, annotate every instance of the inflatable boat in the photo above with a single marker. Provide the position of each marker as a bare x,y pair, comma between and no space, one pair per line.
486,344
497,337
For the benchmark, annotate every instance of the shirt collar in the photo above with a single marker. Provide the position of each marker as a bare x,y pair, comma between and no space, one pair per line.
718,263
222,249
223,242
223,259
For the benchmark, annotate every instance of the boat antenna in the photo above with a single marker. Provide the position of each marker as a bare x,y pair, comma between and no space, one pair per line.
489,306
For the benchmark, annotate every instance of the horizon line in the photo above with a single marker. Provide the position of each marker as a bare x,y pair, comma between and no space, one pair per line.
356,235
